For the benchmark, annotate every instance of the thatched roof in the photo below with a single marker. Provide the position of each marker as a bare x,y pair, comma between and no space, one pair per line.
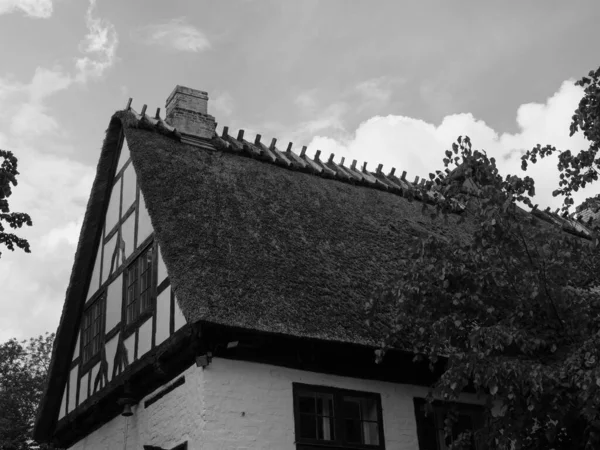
271,248
252,237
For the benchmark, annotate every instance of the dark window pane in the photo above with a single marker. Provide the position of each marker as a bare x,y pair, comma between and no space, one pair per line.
92,325
351,408
353,431
308,426
306,404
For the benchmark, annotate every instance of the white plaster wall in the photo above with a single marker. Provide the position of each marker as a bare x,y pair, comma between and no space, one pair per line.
95,281
173,419
111,350
128,233
162,269
129,187
124,156
130,346
114,298
109,249
145,338
112,213
242,405
93,373
163,312
63,406
179,317
144,223
83,388
72,388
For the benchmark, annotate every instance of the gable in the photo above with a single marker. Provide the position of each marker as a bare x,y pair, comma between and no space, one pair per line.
107,339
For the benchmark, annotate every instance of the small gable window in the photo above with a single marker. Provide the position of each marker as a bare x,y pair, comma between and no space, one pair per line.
92,329
466,420
337,418
139,288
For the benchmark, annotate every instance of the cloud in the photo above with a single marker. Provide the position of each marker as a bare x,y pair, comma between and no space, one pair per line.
54,191
33,118
376,90
99,45
306,100
38,9
417,146
52,188
175,35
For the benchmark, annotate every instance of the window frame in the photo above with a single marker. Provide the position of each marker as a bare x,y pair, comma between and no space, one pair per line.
129,328
439,409
95,357
339,429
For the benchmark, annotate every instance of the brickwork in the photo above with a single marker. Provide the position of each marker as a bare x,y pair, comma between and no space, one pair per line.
187,111
235,405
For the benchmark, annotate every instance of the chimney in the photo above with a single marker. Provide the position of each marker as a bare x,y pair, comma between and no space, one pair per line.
187,112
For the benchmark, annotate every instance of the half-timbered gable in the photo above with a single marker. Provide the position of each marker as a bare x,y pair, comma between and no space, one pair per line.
129,307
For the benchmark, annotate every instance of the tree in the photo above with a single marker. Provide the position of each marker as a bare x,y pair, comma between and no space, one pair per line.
8,177
23,374
510,303
580,169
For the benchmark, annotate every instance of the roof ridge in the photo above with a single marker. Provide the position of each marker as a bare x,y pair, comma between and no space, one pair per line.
327,169
289,159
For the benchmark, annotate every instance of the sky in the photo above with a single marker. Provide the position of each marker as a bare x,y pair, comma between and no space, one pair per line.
392,82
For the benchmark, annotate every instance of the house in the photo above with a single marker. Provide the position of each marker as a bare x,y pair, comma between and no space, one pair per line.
217,298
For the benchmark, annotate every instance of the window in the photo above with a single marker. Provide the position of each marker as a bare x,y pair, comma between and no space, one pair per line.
337,418
430,423
139,286
92,329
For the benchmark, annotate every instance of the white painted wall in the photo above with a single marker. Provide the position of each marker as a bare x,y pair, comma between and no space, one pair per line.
144,223
145,338
95,281
163,314
63,406
83,387
124,156
111,350
179,317
73,388
114,299
243,405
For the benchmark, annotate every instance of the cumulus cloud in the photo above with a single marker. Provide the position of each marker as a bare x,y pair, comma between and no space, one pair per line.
54,191
175,35
416,146
99,46
32,118
53,188
39,9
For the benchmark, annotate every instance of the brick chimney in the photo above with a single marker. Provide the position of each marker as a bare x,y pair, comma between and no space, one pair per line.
187,112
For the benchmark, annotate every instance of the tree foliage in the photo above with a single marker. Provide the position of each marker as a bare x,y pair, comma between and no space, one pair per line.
512,303
8,178
580,169
23,373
